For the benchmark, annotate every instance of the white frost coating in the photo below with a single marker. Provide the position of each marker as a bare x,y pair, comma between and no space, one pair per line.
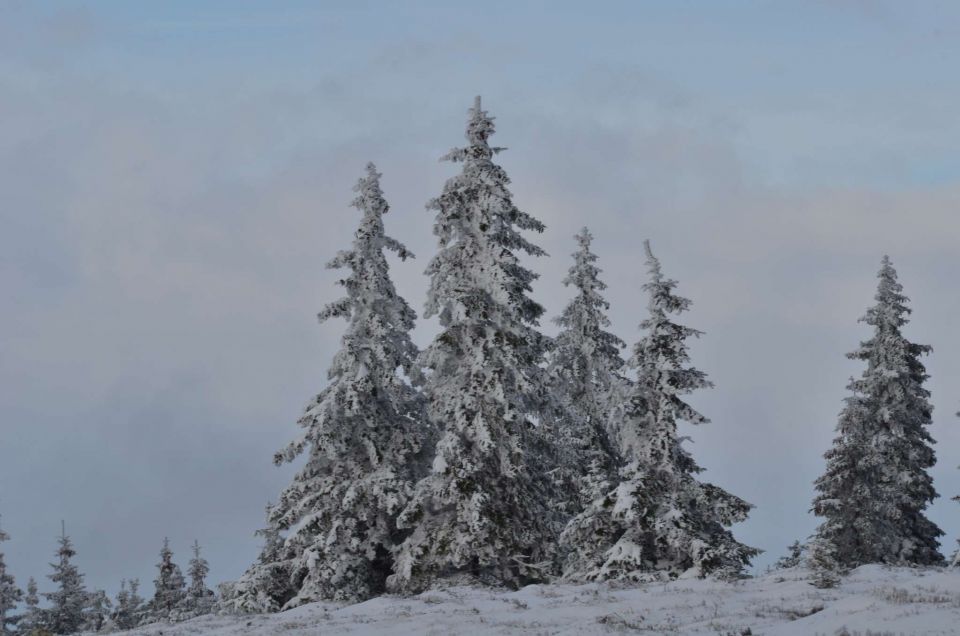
483,515
875,489
659,521
586,389
364,437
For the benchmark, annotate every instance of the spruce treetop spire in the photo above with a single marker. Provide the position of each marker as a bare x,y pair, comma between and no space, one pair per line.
369,199
366,262
662,299
653,263
586,310
480,127
662,356
584,238
891,308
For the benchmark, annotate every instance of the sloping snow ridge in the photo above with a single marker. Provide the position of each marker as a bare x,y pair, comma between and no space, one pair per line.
874,600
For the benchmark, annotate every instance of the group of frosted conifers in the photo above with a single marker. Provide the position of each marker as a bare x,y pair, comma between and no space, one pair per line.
71,607
500,456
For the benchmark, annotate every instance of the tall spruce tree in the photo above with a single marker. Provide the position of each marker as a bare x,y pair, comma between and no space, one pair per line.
584,375
659,521
169,587
10,594
876,488
67,603
482,512
364,434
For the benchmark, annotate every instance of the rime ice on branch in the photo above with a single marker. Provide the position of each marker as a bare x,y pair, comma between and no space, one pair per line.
482,512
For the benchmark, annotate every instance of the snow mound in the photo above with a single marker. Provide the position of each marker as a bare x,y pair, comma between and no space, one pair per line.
872,599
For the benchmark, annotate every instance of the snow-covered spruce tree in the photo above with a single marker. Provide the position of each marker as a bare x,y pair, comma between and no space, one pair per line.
266,585
65,615
660,521
825,566
97,612
584,376
10,594
169,587
32,618
793,558
200,599
481,514
876,487
128,606
121,608
364,434
137,604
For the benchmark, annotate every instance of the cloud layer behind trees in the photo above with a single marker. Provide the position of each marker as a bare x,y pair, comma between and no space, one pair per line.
172,180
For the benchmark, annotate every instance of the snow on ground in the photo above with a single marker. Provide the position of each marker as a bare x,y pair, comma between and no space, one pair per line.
872,599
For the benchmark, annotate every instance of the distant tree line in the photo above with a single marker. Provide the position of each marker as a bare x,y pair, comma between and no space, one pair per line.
72,608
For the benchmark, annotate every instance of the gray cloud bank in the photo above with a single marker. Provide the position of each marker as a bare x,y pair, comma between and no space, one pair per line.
165,226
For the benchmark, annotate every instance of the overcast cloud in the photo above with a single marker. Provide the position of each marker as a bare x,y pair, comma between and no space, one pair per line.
174,176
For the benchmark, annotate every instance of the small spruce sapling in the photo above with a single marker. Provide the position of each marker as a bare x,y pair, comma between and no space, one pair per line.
32,618
200,599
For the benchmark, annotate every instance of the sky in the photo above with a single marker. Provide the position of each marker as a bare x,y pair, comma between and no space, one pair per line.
174,176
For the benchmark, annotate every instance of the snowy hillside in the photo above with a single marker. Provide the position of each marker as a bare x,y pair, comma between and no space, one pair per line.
873,598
